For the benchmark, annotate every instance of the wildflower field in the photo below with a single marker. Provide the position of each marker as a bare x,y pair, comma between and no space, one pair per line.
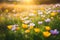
40,23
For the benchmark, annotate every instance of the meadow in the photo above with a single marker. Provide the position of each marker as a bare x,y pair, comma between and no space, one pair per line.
42,23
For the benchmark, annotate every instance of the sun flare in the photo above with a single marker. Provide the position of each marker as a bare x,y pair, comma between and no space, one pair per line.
28,2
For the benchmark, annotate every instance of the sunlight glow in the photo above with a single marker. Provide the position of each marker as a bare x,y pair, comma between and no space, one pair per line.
28,2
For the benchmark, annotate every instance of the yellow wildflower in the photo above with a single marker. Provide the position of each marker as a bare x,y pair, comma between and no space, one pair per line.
9,27
43,18
37,30
35,12
31,27
6,10
27,31
48,28
24,25
53,14
46,34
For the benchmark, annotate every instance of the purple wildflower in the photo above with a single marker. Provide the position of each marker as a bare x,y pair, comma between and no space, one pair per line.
58,10
54,32
48,20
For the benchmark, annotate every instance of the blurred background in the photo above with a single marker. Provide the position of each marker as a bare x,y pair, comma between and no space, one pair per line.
29,19
36,1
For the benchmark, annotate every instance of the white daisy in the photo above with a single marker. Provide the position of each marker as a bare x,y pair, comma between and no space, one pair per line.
47,20
31,24
40,22
27,21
